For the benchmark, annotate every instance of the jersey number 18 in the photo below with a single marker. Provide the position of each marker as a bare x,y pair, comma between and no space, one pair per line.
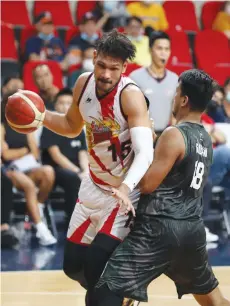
197,175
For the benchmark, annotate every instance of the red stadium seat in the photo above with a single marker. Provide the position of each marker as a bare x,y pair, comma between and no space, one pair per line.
181,15
70,34
131,67
209,12
8,47
180,59
213,54
28,74
83,7
15,12
60,11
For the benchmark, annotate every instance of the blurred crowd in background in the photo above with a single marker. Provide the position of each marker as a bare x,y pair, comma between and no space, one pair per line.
46,45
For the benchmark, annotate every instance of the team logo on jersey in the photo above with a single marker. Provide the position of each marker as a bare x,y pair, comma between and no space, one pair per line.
88,100
100,130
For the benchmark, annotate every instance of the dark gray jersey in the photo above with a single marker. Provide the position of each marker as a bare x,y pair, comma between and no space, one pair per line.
180,194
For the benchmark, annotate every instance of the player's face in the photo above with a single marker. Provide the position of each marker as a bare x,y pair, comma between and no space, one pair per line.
63,103
107,72
160,52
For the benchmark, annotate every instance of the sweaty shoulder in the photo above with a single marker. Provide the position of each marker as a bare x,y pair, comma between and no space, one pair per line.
133,100
172,141
80,86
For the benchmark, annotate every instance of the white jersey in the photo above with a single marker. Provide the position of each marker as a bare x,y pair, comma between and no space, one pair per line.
107,133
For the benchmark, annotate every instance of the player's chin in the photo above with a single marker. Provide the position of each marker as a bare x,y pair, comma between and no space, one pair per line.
105,88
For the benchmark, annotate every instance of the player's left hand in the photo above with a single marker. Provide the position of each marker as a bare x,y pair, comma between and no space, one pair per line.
122,194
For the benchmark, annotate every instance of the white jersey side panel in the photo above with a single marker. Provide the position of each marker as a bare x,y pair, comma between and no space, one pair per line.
108,137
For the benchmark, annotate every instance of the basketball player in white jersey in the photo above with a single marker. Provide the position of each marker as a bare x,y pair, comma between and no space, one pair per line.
120,147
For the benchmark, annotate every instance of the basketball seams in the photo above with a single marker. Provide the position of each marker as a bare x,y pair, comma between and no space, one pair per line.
31,104
36,123
39,116
24,107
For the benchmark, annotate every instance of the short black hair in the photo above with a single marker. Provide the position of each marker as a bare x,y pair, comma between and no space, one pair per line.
116,45
199,87
63,92
157,35
8,79
227,82
135,18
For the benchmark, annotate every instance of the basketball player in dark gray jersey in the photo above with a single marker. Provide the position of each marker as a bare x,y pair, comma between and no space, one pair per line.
168,236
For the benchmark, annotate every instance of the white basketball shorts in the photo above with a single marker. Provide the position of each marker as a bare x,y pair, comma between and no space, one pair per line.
96,211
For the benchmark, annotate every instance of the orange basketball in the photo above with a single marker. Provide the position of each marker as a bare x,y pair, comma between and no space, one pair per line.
25,111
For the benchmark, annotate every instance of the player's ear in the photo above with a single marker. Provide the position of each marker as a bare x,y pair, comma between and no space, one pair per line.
94,56
124,66
184,100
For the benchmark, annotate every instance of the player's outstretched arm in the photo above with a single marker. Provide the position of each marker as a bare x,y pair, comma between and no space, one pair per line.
70,124
169,150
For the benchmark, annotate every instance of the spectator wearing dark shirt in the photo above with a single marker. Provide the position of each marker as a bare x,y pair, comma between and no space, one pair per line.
43,78
219,108
8,235
85,40
67,156
45,45
19,155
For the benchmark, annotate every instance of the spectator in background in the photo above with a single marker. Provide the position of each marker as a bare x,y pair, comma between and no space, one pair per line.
86,66
11,84
19,155
68,156
226,103
219,108
220,169
152,14
45,45
43,78
135,32
8,234
110,14
216,135
222,20
158,83
85,40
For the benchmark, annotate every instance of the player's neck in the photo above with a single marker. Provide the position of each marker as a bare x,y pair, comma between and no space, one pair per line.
193,117
157,72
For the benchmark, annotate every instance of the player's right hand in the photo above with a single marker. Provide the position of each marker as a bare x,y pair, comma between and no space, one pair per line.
123,200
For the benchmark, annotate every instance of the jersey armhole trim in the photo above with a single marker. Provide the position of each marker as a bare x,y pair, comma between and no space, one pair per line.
146,99
185,141
84,88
